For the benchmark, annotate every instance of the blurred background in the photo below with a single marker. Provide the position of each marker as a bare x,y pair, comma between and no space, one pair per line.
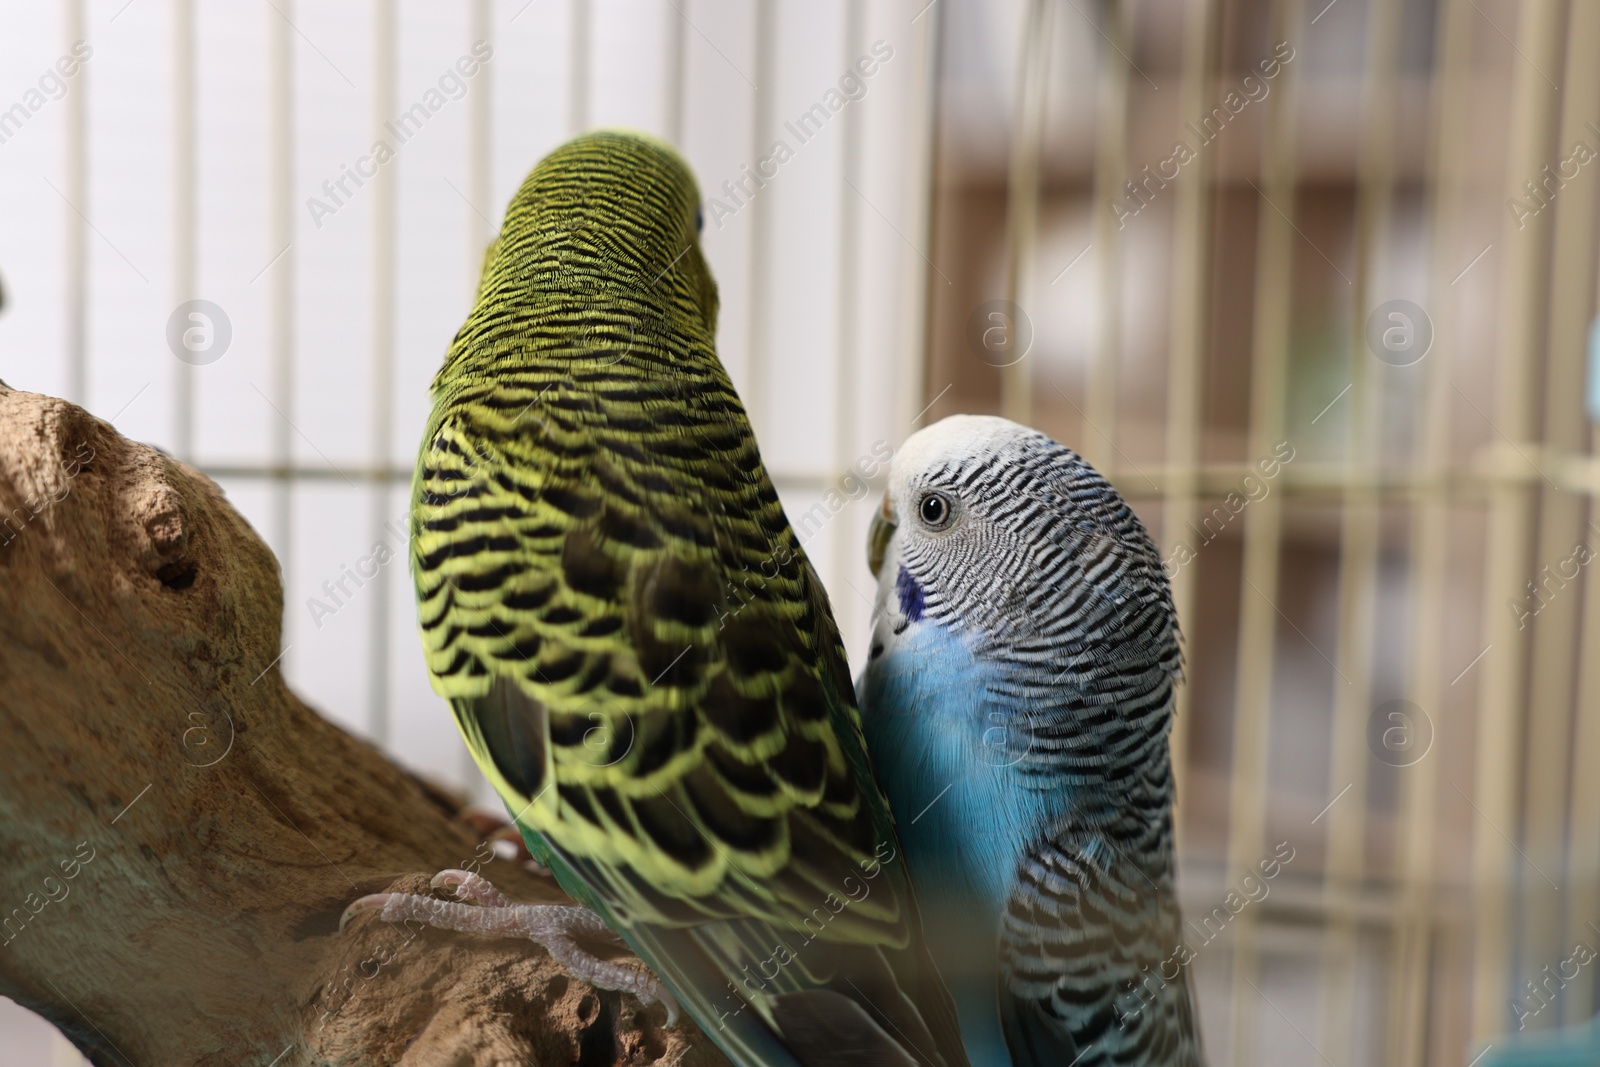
1311,281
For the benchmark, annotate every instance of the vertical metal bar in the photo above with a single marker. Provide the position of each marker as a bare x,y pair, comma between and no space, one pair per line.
1258,617
1429,553
578,29
1358,545
674,39
280,275
918,304
1583,832
480,132
1191,293
480,232
1110,168
184,210
75,176
1561,526
382,266
1511,510
755,392
846,381
1022,194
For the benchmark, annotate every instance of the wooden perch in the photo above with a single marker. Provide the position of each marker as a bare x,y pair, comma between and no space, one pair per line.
181,833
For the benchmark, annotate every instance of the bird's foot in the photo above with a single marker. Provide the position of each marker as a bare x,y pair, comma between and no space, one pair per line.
480,908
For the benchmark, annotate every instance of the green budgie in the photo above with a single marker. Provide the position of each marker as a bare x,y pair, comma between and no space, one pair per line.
637,651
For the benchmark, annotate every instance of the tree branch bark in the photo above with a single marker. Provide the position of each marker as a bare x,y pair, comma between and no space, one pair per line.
181,833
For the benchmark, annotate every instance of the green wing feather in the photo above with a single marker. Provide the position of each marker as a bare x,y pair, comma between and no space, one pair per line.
637,651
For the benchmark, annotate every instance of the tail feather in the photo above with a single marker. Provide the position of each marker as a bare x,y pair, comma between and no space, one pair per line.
827,1028
1034,1038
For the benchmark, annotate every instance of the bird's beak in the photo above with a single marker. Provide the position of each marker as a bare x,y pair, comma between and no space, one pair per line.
883,524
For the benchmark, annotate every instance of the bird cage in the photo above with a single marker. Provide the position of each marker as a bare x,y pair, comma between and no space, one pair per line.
1311,282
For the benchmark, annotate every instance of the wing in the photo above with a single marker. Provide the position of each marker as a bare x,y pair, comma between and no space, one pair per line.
646,668
1093,962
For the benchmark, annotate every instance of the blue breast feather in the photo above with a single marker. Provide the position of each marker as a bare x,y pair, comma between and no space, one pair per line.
945,751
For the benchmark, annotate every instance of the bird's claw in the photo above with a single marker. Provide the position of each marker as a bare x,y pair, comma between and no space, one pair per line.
362,905
478,907
470,887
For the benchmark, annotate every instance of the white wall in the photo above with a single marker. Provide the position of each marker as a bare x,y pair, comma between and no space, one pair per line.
820,391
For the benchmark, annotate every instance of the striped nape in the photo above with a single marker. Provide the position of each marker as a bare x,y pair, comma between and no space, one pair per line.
1055,583
598,259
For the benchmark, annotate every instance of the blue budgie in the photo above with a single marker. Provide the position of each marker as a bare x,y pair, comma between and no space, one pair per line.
1016,701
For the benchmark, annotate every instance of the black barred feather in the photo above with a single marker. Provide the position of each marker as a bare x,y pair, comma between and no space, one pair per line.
1091,956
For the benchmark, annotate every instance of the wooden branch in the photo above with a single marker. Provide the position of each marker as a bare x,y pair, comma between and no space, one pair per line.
181,833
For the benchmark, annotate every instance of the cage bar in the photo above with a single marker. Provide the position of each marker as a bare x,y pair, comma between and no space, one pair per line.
1189,322
1263,524
1509,545
1359,545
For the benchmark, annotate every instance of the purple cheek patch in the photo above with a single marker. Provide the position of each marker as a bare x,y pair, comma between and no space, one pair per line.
910,592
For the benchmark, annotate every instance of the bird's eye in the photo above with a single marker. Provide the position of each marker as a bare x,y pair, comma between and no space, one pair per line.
934,510
699,219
